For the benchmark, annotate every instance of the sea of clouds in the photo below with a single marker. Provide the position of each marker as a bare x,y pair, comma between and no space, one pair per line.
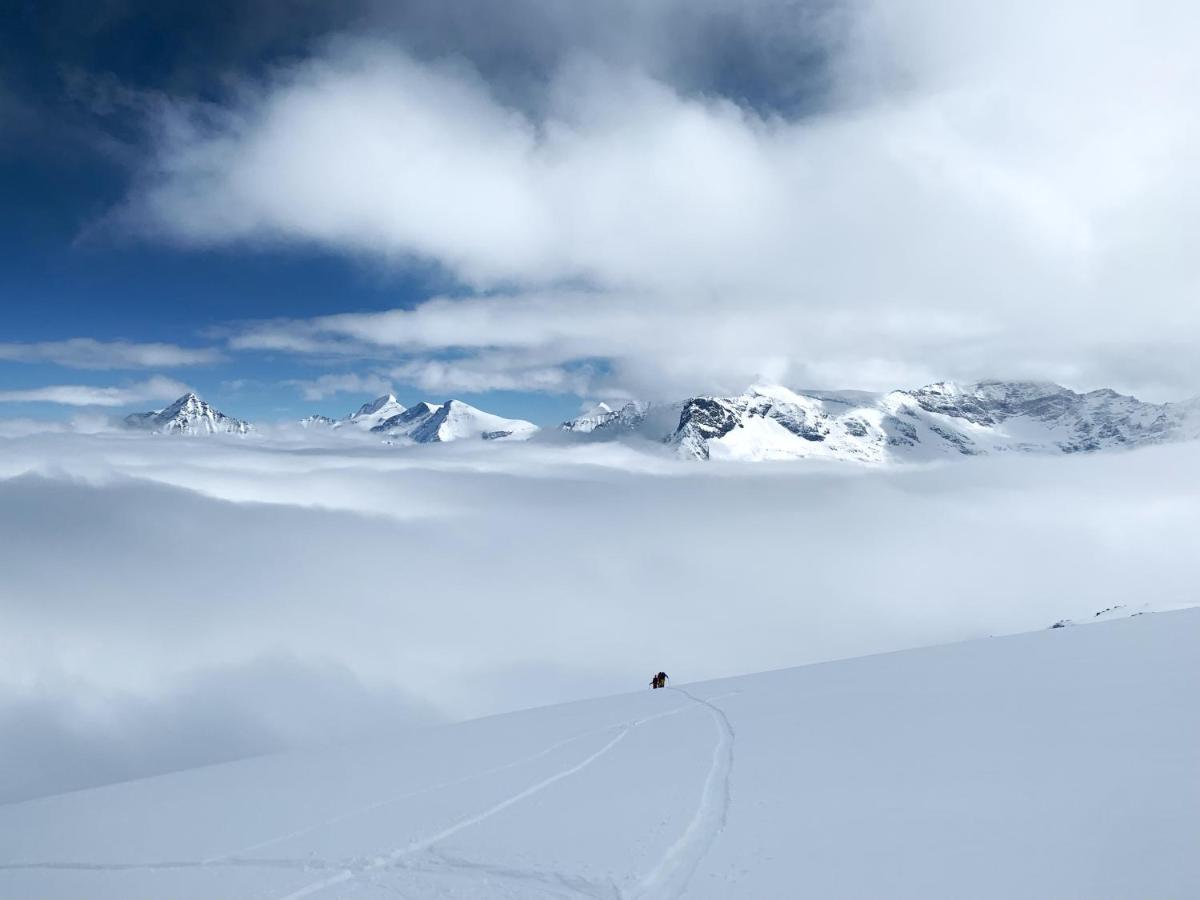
171,602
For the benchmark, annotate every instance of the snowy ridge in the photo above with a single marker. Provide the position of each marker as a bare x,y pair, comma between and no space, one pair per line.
188,415
651,421
744,787
589,421
374,413
938,420
454,420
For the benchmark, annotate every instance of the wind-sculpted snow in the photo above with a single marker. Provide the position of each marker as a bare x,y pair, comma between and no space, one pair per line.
1030,766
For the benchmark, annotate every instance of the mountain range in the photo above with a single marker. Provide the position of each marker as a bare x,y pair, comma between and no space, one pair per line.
766,422
427,423
938,420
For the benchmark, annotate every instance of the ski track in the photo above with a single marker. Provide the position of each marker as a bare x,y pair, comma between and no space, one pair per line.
380,804
669,879
423,844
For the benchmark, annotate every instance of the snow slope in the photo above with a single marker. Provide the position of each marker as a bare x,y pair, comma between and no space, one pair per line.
454,420
1060,764
374,413
651,421
188,415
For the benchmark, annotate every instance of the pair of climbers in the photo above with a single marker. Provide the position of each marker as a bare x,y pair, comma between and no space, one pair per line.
659,681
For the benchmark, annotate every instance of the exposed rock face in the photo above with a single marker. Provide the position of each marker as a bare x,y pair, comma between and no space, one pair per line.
770,422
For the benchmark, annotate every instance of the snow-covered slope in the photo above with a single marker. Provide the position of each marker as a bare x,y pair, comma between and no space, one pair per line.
589,421
188,415
1043,766
454,420
943,419
652,421
364,418
374,413
1136,607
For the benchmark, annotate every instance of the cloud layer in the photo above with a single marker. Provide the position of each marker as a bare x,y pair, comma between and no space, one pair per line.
986,191
153,591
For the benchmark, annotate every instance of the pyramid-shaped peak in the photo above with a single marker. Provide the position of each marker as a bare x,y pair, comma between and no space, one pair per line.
188,415
377,404
188,401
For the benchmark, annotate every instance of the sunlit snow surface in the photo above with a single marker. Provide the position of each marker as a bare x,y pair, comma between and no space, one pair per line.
1059,764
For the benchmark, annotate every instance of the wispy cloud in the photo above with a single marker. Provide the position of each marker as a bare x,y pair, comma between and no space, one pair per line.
156,388
88,353
346,383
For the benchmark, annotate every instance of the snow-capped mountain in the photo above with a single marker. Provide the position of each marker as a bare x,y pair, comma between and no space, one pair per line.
653,421
317,421
374,413
188,415
454,420
587,422
771,422
364,418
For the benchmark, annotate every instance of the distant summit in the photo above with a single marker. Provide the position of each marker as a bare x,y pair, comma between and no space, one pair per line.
371,414
452,421
188,415
427,423
365,417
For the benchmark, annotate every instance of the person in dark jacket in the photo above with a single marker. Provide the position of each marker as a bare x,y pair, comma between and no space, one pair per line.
659,680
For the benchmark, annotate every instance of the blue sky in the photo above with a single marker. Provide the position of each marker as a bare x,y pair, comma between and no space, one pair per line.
290,206
63,276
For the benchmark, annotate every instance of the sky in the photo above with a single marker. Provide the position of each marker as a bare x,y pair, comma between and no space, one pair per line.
292,207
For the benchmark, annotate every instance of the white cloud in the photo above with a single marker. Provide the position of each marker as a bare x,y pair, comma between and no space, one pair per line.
455,567
346,383
493,371
1021,173
87,353
156,388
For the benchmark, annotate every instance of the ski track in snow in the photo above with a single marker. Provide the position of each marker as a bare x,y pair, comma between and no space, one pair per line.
669,879
234,855
426,843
